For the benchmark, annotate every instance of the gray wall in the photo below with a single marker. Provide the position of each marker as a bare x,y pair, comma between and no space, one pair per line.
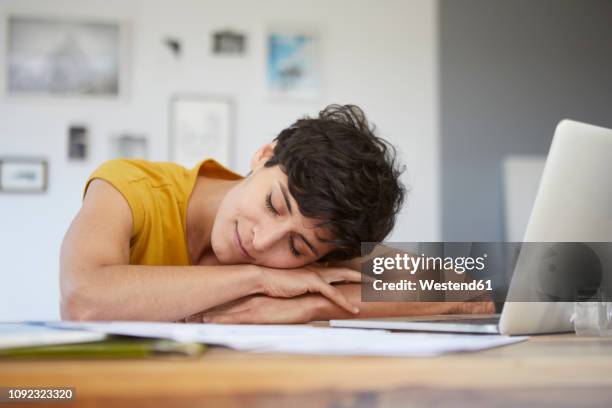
509,71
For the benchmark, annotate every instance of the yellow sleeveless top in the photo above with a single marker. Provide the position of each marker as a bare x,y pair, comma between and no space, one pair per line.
158,194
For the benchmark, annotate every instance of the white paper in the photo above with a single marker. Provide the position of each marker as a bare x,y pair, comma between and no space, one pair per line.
302,339
14,335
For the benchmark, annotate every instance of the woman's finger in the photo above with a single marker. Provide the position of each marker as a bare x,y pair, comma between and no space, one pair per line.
333,275
335,296
352,276
229,318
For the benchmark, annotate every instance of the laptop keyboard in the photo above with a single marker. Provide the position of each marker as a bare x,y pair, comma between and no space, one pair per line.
477,320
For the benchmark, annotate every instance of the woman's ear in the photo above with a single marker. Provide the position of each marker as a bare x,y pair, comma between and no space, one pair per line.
262,155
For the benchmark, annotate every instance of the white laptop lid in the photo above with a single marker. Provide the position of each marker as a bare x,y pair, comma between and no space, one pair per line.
573,204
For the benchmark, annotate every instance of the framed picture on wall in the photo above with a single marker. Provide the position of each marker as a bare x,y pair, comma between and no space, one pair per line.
201,127
23,175
131,146
293,68
48,56
78,142
228,42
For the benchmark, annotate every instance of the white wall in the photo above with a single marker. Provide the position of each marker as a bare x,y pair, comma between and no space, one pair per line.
379,55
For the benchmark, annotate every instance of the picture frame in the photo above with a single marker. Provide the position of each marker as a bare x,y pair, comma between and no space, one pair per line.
78,142
23,175
201,126
293,63
229,42
47,56
130,146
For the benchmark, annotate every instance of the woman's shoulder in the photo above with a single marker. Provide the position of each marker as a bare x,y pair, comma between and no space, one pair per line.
135,169
142,176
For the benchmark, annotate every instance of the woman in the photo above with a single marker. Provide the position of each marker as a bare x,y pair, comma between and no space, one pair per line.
156,241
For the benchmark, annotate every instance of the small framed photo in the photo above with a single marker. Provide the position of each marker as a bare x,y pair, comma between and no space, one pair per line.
56,56
78,141
201,127
227,42
23,175
130,146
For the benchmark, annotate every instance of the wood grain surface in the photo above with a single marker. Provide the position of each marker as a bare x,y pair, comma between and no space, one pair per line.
559,370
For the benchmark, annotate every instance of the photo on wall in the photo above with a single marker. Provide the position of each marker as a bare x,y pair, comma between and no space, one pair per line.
56,57
228,42
201,127
129,146
293,65
23,175
78,141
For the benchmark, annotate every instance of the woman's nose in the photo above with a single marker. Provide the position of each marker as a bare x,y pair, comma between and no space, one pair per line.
264,237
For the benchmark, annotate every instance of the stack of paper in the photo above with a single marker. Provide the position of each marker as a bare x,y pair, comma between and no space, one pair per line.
27,335
302,339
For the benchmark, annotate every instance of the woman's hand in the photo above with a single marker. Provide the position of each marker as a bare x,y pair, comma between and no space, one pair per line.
289,283
474,307
260,309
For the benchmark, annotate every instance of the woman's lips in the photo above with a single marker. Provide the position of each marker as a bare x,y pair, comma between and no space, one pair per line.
239,242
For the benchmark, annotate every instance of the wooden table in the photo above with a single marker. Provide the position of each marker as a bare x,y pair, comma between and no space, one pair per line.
560,370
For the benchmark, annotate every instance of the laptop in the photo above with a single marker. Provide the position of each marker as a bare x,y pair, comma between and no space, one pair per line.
573,204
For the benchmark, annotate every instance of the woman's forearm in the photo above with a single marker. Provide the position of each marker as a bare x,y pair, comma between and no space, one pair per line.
327,310
157,293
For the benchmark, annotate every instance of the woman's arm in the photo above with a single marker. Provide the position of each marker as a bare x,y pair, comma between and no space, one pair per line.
97,282
302,309
311,307
324,310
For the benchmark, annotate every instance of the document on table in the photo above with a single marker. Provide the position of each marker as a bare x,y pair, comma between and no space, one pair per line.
301,339
17,334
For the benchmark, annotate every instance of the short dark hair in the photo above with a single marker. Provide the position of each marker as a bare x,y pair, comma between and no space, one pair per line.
341,173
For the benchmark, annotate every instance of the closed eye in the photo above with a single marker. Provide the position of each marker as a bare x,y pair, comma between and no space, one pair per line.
274,211
294,251
270,205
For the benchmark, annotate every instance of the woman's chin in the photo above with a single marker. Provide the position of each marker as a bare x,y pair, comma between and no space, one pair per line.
227,257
